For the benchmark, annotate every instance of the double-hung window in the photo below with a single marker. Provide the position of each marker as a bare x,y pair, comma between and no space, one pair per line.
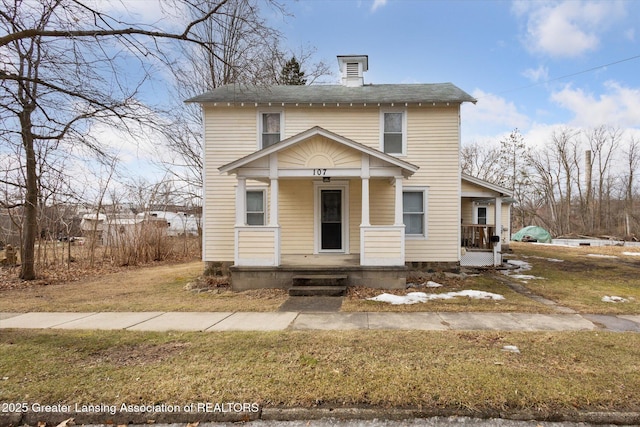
414,212
394,131
270,124
482,215
255,207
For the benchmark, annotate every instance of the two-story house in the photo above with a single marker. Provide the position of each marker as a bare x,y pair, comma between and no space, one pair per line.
358,178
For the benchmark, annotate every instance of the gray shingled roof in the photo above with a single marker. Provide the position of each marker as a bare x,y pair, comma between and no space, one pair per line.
386,93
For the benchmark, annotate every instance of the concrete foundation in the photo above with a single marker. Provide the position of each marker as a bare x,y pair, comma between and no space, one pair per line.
244,278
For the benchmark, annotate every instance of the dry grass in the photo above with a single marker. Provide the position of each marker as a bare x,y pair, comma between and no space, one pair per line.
513,302
155,288
438,371
581,280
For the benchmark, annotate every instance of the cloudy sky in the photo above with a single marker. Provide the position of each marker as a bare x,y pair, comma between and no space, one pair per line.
532,65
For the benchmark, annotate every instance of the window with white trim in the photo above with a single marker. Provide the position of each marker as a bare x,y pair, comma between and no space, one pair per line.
393,136
482,215
414,208
270,127
255,207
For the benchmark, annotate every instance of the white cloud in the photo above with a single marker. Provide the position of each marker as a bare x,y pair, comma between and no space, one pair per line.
493,110
568,28
536,75
617,106
378,4
630,34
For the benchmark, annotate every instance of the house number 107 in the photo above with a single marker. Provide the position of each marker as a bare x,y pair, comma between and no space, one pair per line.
319,172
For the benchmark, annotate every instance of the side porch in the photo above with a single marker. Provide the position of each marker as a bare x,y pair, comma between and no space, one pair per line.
485,222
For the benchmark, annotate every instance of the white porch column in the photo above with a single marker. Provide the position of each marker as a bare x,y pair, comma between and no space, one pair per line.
273,206
497,248
273,203
241,201
365,190
398,213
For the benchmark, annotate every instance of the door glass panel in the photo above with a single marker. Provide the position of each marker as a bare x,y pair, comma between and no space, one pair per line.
331,219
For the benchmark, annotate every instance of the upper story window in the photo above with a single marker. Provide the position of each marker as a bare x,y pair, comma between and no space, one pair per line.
270,127
394,131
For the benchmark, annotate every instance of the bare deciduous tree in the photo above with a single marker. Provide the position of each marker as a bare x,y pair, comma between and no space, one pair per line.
67,65
246,50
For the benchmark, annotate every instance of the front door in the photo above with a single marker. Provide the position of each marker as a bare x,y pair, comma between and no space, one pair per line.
331,220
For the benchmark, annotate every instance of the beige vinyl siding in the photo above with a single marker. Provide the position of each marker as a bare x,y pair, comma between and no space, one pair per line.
383,243
230,133
255,244
381,202
296,216
361,124
467,211
433,144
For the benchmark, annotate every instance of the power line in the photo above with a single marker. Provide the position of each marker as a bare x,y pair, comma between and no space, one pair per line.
570,75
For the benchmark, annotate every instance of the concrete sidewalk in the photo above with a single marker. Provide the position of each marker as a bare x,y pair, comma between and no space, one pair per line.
279,321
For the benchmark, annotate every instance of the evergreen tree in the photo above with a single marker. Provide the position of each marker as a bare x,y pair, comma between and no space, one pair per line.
291,73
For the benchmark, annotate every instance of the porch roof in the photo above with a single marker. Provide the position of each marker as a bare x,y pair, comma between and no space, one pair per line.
488,189
407,168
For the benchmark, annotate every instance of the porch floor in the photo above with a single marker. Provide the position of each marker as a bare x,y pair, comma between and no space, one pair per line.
320,260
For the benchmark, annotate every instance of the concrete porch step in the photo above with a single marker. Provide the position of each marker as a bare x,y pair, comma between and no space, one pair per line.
319,280
316,291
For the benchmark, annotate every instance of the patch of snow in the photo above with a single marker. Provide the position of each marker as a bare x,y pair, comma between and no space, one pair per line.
431,284
525,277
477,295
522,265
511,348
564,245
416,297
612,298
602,256
631,253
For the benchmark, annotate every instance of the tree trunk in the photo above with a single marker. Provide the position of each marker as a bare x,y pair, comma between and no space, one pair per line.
30,220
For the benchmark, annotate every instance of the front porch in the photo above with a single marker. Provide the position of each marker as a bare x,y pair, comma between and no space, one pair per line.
310,195
282,276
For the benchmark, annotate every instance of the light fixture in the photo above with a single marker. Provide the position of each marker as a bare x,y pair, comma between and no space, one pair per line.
326,179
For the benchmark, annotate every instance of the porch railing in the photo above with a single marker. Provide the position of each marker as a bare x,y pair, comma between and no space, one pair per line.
477,236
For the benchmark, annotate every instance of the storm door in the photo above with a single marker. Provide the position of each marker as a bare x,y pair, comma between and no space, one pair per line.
331,214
